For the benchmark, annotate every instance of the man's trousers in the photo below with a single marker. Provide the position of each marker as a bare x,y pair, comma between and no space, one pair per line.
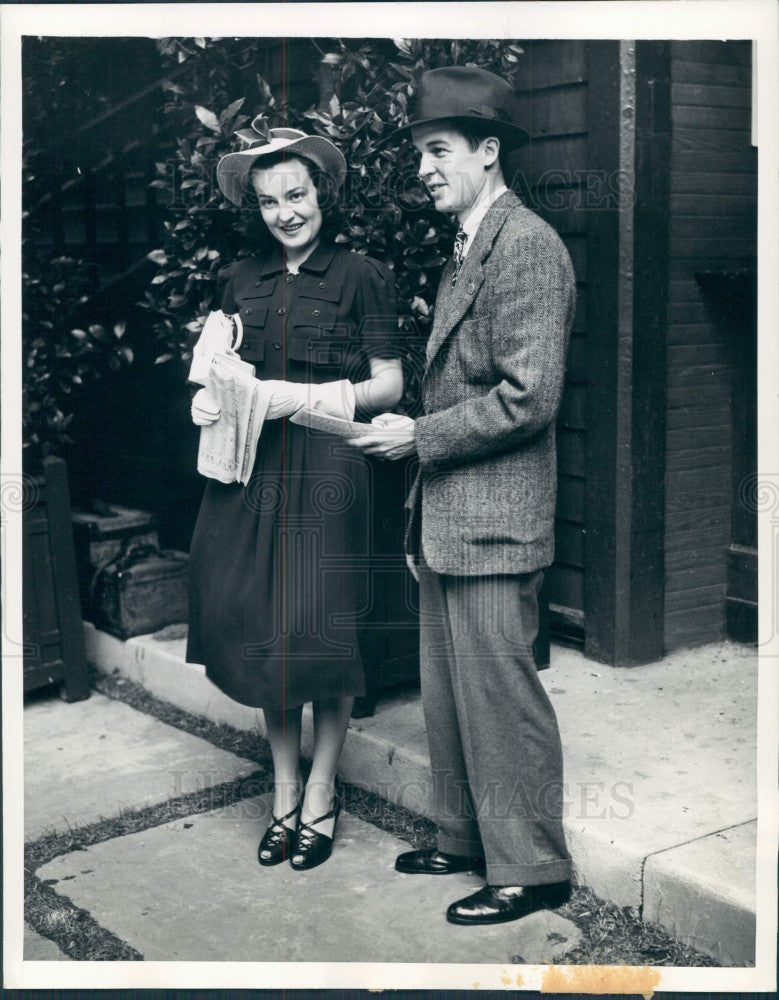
494,744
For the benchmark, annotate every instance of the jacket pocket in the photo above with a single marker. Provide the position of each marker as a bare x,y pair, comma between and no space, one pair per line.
253,314
312,350
258,290
312,318
322,289
252,349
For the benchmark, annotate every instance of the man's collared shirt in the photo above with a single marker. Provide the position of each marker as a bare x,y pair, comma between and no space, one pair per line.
475,216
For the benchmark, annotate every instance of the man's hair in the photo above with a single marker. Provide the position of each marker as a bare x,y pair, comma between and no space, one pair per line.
474,132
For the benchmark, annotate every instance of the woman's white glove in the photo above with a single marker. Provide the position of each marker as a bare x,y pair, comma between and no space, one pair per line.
286,398
334,398
205,409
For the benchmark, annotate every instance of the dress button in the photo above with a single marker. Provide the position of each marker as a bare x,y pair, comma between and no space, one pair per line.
257,284
290,277
316,312
321,284
248,312
281,311
277,345
310,345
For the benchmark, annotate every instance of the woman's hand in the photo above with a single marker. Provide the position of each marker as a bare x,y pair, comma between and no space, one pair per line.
393,437
205,409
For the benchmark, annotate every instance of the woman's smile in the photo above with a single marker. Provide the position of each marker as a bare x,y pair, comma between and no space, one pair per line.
289,205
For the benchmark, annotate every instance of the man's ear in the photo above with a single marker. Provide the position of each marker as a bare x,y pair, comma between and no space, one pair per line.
491,149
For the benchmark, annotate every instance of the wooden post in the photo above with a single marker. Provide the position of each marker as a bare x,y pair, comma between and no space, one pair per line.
629,143
65,581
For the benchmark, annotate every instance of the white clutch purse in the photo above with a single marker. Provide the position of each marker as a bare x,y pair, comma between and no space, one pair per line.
221,333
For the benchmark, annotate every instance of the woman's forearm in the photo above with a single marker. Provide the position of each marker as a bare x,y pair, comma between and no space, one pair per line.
383,389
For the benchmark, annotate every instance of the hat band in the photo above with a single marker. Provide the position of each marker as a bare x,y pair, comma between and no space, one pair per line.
489,112
452,108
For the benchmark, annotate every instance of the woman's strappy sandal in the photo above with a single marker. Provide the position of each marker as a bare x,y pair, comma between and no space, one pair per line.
314,848
278,841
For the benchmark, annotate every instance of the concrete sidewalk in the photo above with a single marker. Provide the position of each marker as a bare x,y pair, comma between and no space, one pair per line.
660,773
191,890
660,777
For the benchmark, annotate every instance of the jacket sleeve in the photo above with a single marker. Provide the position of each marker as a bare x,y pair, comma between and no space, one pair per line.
532,297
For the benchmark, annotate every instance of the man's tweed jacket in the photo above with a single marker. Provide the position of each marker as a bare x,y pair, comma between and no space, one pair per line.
491,391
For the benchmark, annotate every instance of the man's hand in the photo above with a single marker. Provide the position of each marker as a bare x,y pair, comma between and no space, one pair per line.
393,437
204,409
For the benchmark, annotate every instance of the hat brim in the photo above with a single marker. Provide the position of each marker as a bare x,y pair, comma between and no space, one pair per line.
511,136
232,171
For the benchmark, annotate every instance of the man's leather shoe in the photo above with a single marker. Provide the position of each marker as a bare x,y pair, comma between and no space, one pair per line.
433,862
495,904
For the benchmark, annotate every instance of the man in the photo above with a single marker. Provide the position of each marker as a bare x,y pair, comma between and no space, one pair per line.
483,507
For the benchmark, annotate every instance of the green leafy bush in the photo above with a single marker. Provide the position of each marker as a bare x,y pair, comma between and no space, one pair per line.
64,349
365,92
59,357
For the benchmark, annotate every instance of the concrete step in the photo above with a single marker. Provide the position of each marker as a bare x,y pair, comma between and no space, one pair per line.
657,757
705,891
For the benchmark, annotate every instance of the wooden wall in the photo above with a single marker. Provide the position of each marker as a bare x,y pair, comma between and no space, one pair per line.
553,89
712,227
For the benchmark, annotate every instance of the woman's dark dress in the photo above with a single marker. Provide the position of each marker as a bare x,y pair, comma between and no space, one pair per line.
279,569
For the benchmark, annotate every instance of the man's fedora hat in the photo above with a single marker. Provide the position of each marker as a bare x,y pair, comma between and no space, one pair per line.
466,93
232,171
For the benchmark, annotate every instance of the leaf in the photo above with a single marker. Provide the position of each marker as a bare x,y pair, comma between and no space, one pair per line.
158,257
120,329
162,359
208,118
127,353
231,110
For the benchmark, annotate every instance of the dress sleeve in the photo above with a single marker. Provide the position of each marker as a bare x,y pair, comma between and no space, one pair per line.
377,310
224,298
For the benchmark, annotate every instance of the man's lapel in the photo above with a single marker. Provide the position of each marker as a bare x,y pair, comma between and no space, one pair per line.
452,303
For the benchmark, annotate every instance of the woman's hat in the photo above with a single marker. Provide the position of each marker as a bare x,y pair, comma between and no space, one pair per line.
466,93
232,171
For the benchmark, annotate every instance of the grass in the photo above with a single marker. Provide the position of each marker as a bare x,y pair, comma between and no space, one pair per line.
610,935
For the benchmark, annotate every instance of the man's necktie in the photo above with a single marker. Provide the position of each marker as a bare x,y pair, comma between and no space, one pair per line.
458,253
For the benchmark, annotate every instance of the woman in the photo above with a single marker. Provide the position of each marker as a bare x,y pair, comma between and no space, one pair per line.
276,582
